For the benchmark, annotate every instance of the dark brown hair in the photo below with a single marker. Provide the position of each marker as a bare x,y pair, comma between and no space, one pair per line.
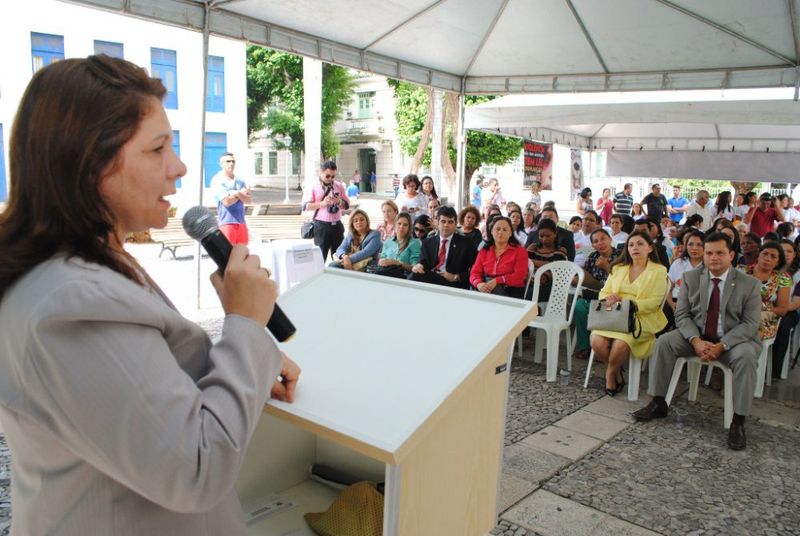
625,257
73,120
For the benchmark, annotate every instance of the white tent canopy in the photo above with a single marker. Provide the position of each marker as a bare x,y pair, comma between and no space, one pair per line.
516,46
735,134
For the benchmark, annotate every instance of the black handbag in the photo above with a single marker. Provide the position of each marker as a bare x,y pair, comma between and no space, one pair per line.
622,317
307,227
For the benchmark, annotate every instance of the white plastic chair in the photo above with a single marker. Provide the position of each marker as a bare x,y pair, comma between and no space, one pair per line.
635,366
763,370
790,349
693,366
557,315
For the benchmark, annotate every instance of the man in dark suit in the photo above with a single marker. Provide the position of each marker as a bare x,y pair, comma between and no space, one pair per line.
564,238
445,259
730,335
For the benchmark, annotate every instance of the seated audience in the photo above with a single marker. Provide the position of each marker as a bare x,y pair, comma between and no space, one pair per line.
517,227
361,245
544,251
447,257
789,320
595,274
502,264
776,287
712,332
468,220
564,237
751,243
618,236
636,275
691,258
575,224
401,251
653,230
583,242
433,206
389,211
412,200
423,226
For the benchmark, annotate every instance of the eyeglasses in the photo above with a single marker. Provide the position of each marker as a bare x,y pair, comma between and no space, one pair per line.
329,176
229,161
419,230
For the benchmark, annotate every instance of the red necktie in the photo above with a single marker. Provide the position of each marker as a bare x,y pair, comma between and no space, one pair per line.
712,316
442,253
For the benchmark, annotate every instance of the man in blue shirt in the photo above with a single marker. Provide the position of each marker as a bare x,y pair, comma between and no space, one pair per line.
231,194
477,191
677,205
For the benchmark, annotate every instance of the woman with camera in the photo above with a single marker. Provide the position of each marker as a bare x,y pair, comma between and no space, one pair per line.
412,201
636,275
360,247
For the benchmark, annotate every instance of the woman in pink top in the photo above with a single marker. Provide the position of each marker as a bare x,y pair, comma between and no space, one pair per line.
605,206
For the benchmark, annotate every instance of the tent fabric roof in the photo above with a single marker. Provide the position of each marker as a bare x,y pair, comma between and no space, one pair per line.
516,46
677,120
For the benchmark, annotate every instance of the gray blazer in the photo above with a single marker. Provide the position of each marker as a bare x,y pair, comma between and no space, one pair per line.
741,303
121,416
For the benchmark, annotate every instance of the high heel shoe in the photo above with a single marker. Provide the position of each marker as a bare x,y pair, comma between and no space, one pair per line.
616,390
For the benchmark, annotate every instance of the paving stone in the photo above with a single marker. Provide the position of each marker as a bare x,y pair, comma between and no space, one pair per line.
775,414
532,464
572,445
592,424
552,515
617,408
611,525
513,489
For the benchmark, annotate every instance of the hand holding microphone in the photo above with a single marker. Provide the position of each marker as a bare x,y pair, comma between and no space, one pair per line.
200,224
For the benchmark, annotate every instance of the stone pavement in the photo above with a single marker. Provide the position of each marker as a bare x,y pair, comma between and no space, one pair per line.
575,463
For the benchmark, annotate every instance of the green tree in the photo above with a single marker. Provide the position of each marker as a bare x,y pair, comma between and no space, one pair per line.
275,97
413,111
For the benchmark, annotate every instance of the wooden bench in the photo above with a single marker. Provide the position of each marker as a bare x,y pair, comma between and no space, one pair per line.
171,237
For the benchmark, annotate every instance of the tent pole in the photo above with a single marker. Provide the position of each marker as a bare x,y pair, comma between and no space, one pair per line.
201,167
461,147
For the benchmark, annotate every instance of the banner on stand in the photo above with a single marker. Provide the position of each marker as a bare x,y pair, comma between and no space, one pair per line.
538,164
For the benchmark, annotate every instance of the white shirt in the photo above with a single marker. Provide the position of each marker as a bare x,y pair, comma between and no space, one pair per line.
722,278
790,214
583,248
676,271
705,212
619,238
728,213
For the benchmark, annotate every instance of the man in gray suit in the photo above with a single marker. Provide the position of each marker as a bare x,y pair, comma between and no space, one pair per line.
717,316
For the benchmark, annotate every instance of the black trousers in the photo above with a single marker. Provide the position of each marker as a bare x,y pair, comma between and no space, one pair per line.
328,237
437,279
786,324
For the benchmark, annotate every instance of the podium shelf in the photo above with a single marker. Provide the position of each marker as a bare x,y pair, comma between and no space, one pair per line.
308,496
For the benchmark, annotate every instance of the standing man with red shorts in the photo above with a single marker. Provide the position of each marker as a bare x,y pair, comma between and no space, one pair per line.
231,194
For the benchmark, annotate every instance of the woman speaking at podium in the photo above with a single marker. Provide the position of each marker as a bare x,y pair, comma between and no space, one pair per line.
122,417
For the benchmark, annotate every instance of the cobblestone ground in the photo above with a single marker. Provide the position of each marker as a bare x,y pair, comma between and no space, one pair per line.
534,404
676,476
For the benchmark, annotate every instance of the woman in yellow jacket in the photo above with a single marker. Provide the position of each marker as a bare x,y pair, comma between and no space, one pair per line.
636,275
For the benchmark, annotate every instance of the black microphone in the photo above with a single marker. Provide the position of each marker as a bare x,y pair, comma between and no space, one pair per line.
200,224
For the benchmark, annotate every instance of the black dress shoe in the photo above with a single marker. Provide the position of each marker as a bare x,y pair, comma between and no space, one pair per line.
653,410
736,437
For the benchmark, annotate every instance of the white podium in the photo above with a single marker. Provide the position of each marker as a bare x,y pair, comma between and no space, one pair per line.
388,398
291,261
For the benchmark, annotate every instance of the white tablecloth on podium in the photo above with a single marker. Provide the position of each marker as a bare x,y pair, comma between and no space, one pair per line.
291,261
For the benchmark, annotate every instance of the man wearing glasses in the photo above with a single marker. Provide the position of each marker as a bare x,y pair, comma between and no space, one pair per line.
328,199
231,193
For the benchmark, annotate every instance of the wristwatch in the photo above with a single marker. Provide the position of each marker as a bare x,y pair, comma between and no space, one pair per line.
725,347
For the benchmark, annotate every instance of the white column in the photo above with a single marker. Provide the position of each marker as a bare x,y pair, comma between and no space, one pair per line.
461,139
312,95
436,146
